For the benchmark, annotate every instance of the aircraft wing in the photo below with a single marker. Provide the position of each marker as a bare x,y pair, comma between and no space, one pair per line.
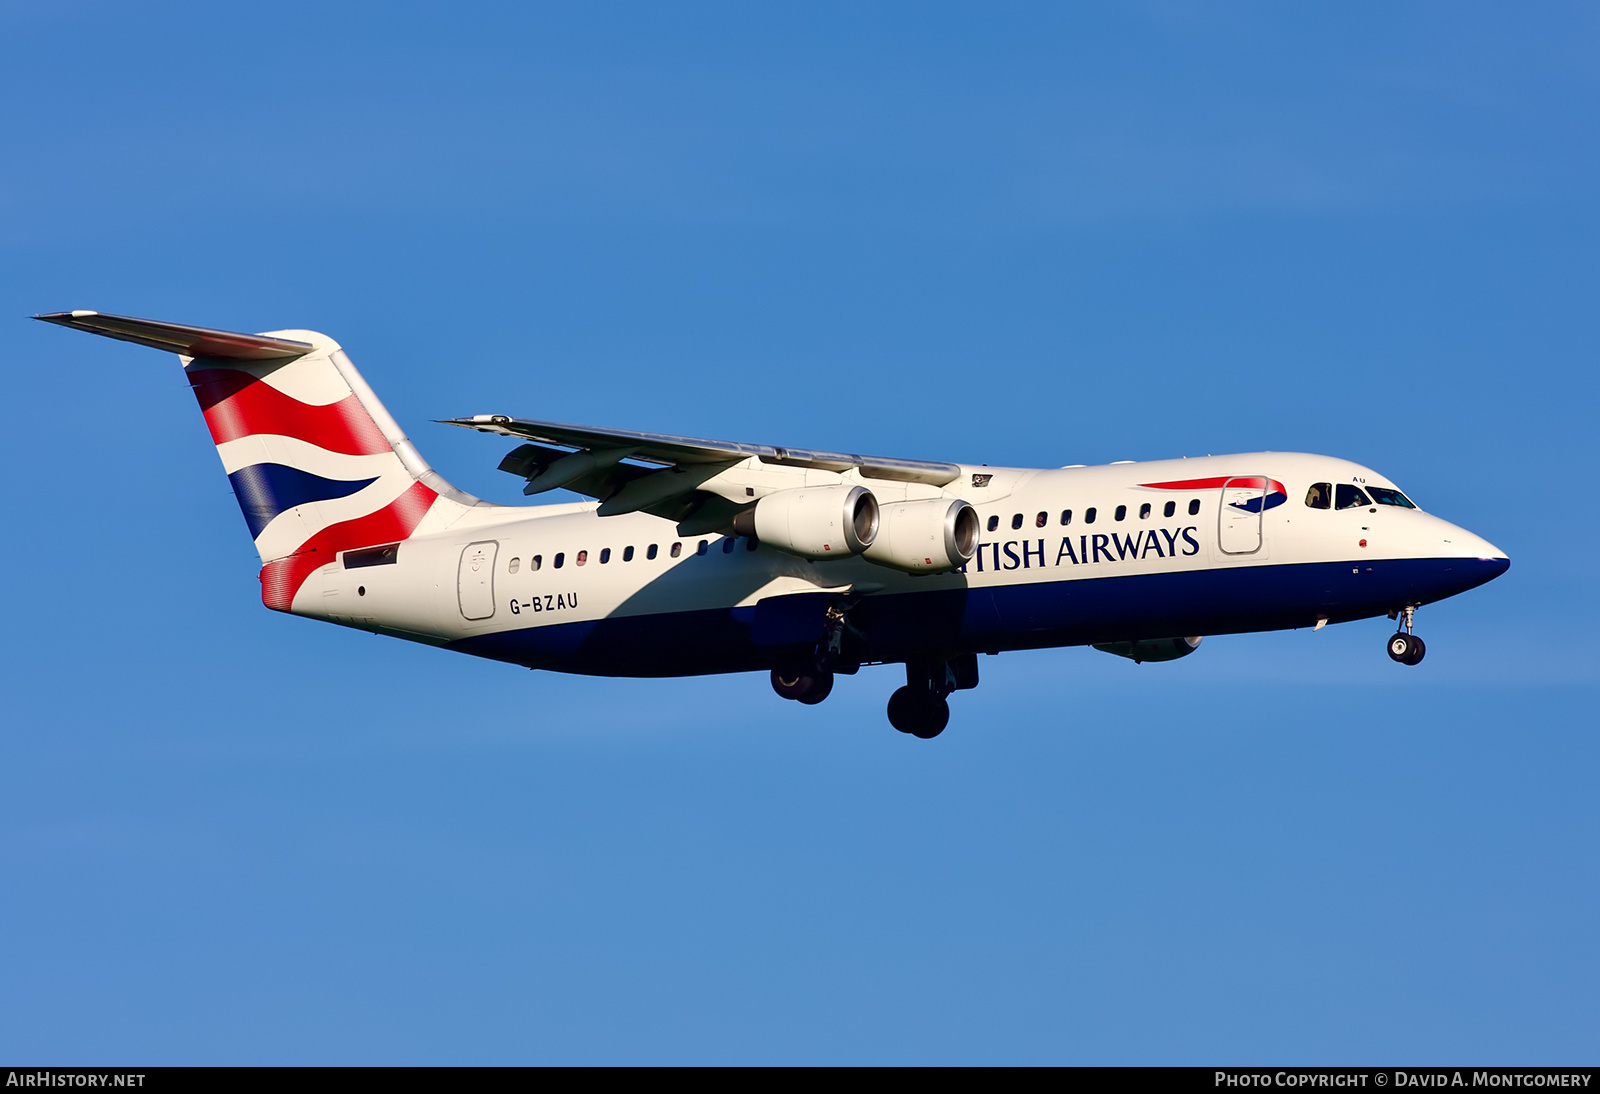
684,452
597,467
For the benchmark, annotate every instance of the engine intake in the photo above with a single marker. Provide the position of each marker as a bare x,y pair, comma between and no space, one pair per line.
1151,649
926,537
816,522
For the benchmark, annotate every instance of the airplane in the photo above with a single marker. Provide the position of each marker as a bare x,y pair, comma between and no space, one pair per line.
704,556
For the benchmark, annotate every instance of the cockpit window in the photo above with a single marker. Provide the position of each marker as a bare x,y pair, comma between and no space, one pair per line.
1385,496
1346,496
1320,496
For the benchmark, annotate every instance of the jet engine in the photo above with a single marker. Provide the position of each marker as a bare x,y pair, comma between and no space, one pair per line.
1151,649
926,537
816,522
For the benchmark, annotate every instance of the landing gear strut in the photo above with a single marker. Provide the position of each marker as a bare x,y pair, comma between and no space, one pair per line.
920,708
1406,647
810,682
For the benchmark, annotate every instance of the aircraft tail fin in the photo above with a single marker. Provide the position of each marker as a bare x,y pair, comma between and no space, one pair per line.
316,462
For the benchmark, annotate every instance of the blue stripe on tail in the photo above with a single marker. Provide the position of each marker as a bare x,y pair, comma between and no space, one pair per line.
266,489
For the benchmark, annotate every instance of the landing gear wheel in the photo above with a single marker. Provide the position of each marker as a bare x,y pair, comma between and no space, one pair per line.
936,714
804,683
919,713
795,681
902,709
1407,649
821,687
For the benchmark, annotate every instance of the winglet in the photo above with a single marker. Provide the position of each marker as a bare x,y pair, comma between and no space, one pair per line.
178,338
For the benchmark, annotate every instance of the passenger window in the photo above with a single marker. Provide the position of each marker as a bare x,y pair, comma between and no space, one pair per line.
1320,496
727,546
627,554
1122,512
994,522
752,543
1194,506
1041,520
513,566
650,551
1089,514
535,562
1016,521
700,550
583,556
1170,508
1066,517
1346,496
605,555
677,549
1385,496
1144,511
561,557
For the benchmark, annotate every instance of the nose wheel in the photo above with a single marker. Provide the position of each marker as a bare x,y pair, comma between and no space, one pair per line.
1405,647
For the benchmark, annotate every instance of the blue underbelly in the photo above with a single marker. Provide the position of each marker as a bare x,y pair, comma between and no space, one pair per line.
940,623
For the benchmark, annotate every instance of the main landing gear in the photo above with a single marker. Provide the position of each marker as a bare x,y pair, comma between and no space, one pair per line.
810,682
806,684
920,708
1406,647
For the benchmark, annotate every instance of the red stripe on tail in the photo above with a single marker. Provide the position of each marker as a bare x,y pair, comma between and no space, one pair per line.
237,404
282,578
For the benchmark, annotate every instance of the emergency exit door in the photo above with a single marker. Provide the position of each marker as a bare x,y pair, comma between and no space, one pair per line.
475,580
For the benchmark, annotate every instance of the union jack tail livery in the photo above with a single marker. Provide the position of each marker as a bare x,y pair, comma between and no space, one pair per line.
316,462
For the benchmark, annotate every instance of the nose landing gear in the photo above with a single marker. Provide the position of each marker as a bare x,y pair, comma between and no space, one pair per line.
1405,647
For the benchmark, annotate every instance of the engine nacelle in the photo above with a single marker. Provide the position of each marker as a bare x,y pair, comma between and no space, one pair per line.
817,522
926,537
1151,649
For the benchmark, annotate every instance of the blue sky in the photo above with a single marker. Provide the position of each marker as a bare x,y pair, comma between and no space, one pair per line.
1010,234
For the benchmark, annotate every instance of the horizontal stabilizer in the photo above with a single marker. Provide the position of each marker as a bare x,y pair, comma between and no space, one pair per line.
178,338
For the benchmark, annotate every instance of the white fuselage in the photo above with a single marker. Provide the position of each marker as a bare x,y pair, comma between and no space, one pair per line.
535,584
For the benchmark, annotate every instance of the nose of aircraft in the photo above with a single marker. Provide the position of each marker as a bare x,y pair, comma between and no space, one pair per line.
1481,561
1465,544
1425,535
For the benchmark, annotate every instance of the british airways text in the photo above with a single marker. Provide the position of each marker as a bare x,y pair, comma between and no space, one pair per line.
1088,548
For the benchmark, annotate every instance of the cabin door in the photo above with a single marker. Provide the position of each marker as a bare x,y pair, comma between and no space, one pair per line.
1239,517
475,580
